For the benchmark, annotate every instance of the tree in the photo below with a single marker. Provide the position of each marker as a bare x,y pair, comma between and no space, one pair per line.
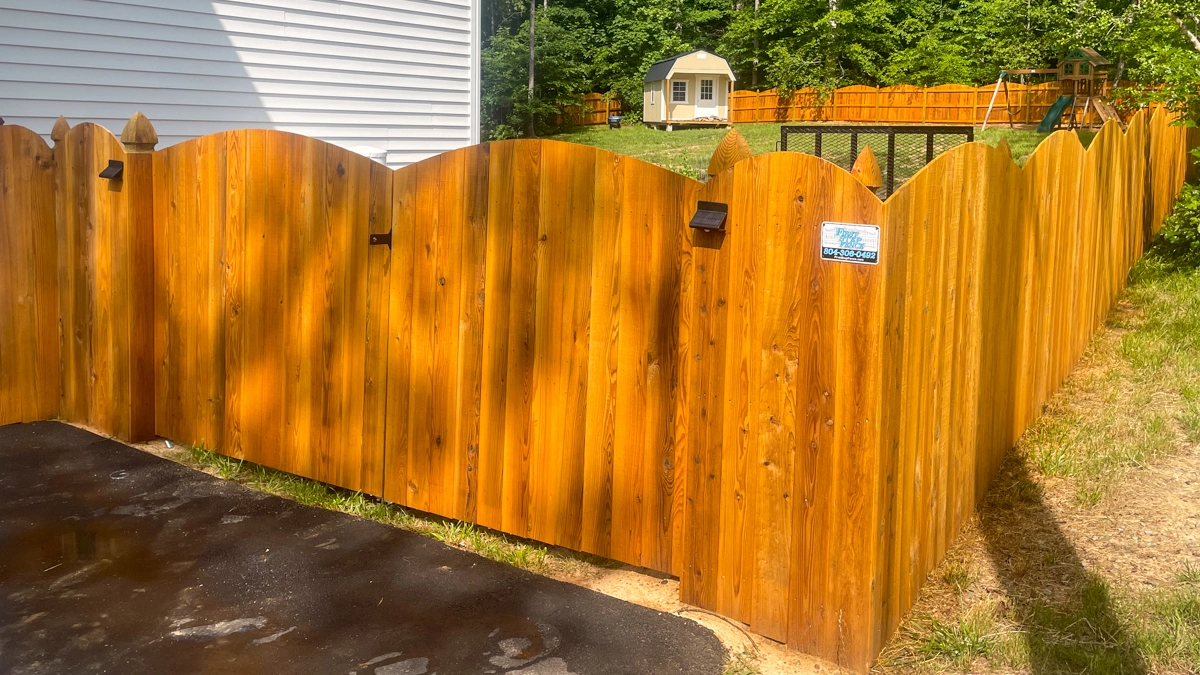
581,46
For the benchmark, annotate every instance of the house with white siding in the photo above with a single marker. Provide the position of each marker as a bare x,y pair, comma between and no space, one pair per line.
397,76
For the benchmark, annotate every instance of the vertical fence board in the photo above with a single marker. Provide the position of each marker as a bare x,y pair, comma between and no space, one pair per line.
29,283
548,350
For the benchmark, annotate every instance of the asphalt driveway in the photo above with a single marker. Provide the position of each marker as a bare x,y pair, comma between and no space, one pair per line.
116,561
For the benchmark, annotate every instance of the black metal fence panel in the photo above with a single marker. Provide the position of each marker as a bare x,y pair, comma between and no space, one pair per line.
902,151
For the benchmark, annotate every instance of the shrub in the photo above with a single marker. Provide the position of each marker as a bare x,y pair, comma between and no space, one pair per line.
1181,231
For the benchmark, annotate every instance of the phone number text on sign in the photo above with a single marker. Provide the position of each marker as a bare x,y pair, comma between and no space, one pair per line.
850,243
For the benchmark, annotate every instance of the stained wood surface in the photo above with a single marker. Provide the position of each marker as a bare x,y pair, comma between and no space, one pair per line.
105,277
263,296
534,359
951,104
548,350
732,149
29,348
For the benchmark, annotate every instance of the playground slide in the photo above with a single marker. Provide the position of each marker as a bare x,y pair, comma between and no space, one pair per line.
1054,117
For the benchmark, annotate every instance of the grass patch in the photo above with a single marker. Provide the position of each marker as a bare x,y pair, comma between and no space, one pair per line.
1037,608
482,541
1023,141
1170,628
1188,574
936,645
688,151
956,574
1134,398
742,662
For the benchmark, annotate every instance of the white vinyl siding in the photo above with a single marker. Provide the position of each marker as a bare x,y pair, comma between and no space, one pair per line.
398,75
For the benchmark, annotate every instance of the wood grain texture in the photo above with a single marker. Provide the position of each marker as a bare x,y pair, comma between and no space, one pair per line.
105,240
561,327
548,350
29,284
262,307
947,104
732,149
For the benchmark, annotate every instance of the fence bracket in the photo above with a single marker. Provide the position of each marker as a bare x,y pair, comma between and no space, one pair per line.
384,239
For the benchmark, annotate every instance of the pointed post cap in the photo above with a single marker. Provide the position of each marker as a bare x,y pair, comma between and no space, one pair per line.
1004,147
866,169
731,150
139,135
61,127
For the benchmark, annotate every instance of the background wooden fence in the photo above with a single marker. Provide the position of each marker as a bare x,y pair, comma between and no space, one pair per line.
595,110
944,104
547,349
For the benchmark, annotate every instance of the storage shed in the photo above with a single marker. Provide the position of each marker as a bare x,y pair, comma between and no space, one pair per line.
392,79
689,89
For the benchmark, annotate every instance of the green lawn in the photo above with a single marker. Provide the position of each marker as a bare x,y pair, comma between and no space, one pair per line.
688,151
1059,571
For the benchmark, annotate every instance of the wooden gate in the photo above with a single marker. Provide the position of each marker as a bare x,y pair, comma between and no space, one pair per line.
270,305
527,335
535,363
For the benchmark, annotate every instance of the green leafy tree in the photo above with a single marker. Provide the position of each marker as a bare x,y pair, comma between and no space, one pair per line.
606,46
563,36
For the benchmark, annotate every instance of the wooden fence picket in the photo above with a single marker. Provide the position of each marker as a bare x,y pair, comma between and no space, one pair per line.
528,335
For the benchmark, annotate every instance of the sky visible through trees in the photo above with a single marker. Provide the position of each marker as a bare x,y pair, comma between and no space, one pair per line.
583,46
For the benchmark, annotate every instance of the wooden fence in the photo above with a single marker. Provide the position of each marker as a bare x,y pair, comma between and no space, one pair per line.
545,347
944,104
595,110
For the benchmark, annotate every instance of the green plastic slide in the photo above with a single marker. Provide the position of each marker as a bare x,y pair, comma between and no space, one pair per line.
1054,117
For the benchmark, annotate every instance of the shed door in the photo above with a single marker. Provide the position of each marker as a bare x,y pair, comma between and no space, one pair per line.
706,97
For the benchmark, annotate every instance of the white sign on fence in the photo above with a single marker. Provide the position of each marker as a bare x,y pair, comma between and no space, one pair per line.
850,243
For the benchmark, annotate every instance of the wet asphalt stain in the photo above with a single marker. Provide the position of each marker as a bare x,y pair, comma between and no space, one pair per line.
113,560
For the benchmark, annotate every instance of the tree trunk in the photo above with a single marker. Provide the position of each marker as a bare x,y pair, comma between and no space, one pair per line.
530,131
1195,39
754,73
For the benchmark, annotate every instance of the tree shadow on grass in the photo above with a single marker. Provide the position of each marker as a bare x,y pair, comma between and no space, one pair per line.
1066,612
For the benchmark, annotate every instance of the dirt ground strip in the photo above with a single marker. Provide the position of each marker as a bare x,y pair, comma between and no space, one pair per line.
1034,551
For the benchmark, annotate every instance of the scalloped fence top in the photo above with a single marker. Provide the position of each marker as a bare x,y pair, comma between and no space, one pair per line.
794,414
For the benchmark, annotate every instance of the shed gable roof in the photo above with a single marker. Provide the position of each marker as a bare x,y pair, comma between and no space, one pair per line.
662,70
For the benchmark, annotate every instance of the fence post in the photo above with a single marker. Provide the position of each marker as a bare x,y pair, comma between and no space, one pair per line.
924,104
139,139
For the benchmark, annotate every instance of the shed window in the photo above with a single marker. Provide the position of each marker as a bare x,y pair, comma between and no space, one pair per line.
1069,69
1084,69
706,90
679,92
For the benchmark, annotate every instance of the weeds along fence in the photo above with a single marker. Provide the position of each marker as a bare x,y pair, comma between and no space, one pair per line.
528,336
944,104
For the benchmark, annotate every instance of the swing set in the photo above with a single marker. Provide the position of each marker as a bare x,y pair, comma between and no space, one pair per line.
1083,76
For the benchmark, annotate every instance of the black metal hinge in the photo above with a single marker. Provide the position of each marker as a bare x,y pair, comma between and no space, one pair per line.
382,239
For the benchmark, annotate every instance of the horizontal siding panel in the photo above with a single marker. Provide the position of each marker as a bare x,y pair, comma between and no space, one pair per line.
299,41
244,18
49,94
385,11
451,66
398,75
239,117
99,79
131,63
